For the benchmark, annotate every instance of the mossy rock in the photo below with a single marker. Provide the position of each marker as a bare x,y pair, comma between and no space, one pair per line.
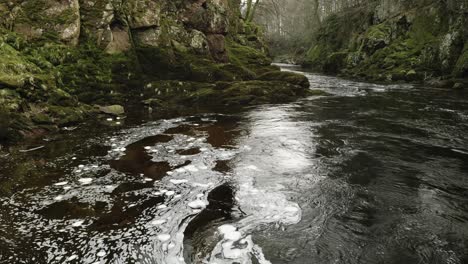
289,77
461,68
62,98
258,92
115,110
65,116
42,119
243,56
376,37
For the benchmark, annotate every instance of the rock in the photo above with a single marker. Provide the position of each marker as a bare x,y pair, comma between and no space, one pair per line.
290,77
44,17
458,86
217,47
143,14
115,110
411,75
441,83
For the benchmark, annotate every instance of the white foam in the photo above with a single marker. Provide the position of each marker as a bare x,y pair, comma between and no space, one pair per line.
101,253
158,222
61,183
191,168
58,198
85,181
226,229
162,206
78,223
147,147
174,181
197,204
252,167
72,257
169,193
164,237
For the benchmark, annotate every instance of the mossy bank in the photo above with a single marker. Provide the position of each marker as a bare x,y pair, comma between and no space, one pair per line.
414,41
61,61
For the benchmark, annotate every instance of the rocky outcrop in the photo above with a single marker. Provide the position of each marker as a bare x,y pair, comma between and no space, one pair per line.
391,40
58,58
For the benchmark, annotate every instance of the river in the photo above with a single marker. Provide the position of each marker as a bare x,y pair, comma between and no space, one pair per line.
366,174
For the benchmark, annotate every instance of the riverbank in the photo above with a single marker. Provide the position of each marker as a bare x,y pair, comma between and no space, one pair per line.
388,41
97,58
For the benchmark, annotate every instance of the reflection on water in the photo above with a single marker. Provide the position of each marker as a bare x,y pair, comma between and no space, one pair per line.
369,174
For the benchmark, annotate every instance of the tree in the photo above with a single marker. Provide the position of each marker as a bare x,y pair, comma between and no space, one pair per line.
251,10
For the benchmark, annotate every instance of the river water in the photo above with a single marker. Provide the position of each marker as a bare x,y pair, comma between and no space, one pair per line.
366,174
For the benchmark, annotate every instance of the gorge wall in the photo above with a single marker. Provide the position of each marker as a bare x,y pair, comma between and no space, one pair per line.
393,40
59,58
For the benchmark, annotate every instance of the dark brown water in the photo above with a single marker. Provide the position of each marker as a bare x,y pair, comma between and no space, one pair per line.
369,174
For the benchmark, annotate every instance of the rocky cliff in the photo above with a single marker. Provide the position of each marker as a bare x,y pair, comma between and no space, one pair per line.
391,40
60,57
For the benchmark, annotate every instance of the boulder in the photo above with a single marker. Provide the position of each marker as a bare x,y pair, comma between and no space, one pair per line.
115,110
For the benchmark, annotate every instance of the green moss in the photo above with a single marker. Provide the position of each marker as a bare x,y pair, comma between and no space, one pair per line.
315,56
15,69
65,116
252,59
376,37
